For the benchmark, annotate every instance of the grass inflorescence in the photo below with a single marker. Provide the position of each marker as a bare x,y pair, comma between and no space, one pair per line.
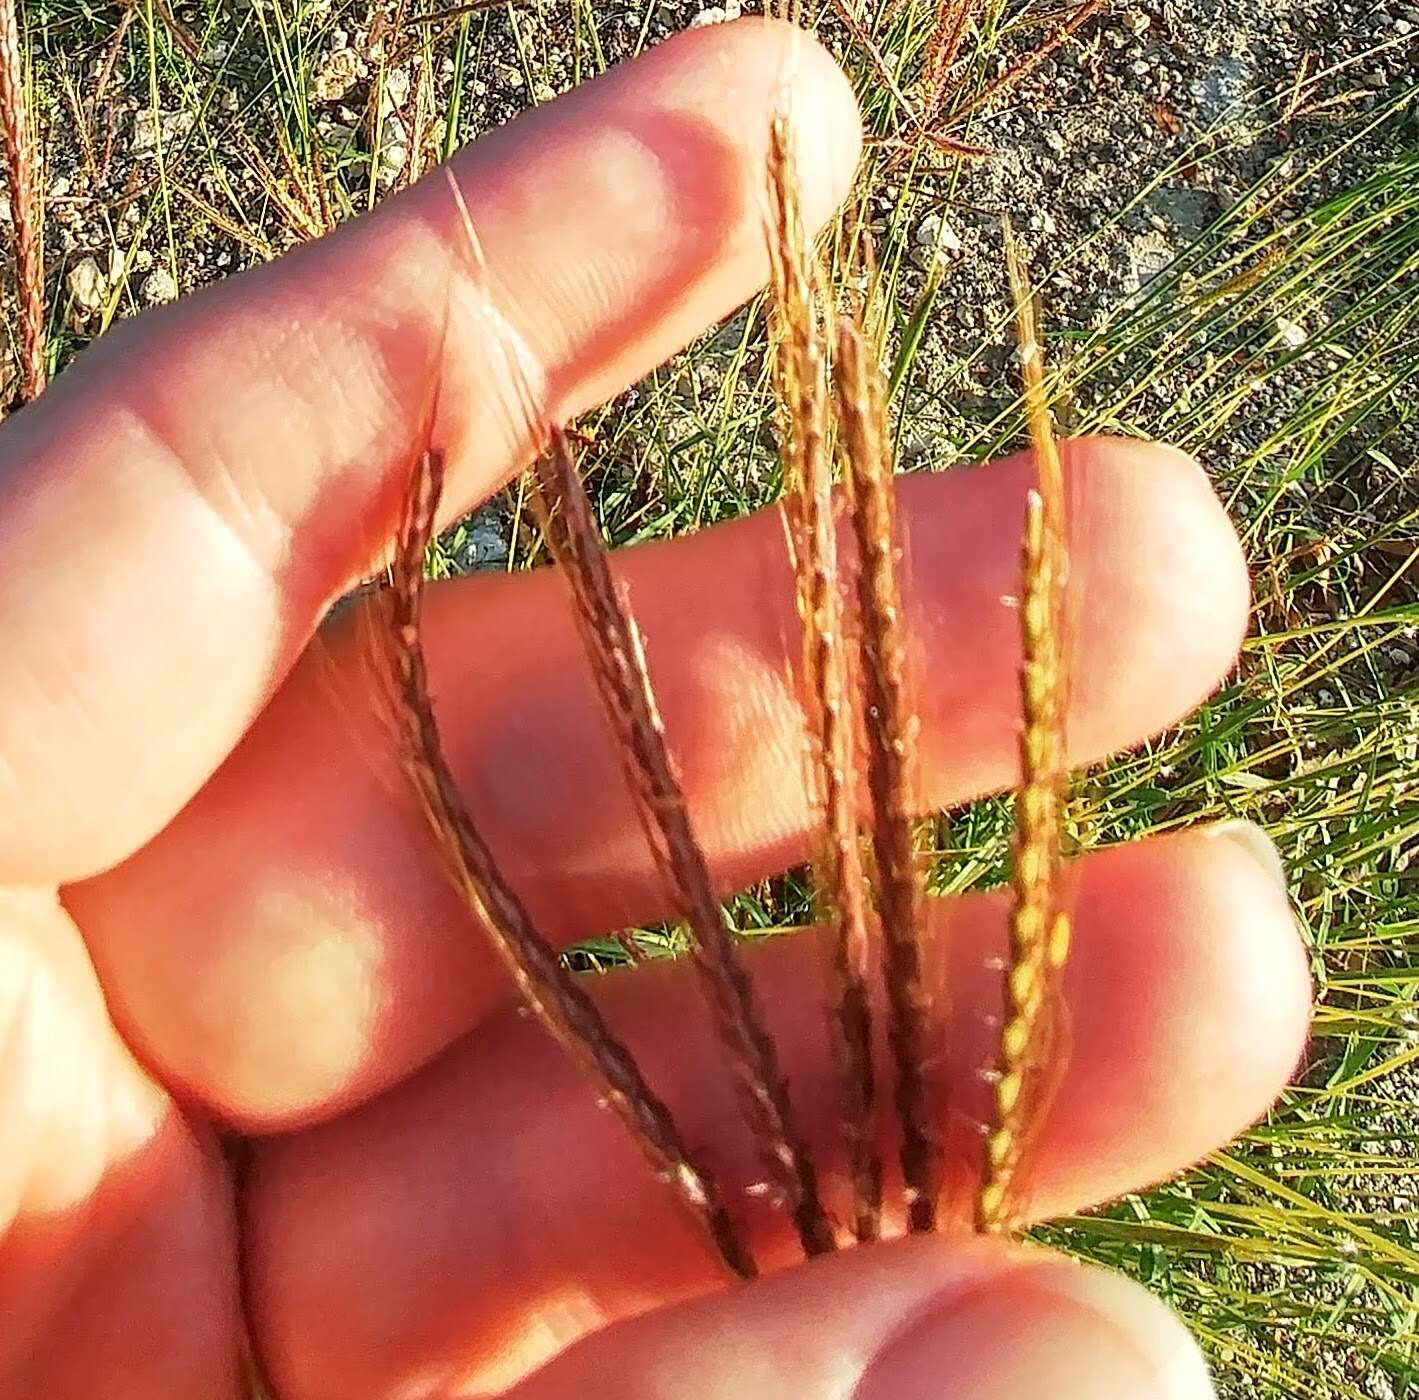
853,687
558,1000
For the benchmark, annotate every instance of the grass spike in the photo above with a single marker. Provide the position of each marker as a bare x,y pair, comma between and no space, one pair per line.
617,658
829,696
547,988
891,755
24,200
1018,71
1039,927
950,24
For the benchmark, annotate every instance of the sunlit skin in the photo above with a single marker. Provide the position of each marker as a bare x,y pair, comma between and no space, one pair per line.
251,930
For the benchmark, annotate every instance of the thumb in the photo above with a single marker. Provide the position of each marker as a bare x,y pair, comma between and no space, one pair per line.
116,1250
916,1318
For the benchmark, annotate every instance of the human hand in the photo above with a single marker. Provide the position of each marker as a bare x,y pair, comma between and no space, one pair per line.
434,1206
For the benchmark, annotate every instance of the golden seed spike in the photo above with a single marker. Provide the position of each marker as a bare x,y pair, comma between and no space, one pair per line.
1039,930
828,696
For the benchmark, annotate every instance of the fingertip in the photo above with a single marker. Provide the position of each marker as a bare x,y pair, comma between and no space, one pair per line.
1245,974
911,1320
1266,964
814,93
1186,1005
1202,556
1164,581
754,68
1048,1327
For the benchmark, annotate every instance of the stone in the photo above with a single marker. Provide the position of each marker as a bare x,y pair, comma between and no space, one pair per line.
158,131
934,232
337,75
86,285
159,286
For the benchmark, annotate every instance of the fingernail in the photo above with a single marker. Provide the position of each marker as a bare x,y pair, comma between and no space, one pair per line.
1256,843
1062,1330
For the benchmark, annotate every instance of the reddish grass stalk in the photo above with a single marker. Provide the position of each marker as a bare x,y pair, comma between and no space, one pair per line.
918,122
1021,69
949,26
110,57
827,693
614,648
182,36
891,747
24,210
545,985
1039,927
862,36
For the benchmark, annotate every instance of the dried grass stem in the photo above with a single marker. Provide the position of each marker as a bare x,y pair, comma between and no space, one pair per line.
891,743
615,651
828,693
24,208
544,983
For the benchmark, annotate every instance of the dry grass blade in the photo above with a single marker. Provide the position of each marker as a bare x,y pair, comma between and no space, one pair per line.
891,745
948,33
181,34
451,12
302,215
801,376
1024,66
918,121
246,237
862,37
614,649
1039,926
545,985
110,58
19,165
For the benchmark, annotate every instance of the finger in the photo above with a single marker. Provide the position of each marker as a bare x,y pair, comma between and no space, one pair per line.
291,943
240,454
913,1320
116,1250
486,1213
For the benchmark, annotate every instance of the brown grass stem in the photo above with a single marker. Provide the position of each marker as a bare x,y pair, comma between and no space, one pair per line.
1027,63
828,692
617,658
24,201
547,988
891,748
948,32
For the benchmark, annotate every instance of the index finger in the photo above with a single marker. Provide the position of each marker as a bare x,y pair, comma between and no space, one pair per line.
238,456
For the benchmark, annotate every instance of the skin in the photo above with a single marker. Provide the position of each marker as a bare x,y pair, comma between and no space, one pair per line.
219,910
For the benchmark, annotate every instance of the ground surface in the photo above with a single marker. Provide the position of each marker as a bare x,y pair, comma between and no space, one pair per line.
1222,202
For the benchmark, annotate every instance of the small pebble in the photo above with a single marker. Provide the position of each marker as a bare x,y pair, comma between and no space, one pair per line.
337,75
159,286
85,284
